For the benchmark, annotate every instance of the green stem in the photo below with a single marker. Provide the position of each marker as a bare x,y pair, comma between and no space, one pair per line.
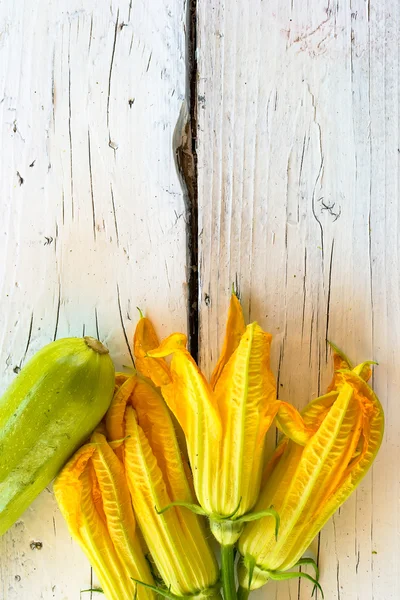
228,572
243,593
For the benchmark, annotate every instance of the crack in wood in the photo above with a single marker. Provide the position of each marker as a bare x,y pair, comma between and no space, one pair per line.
97,323
328,302
91,187
115,214
186,159
123,326
29,337
90,33
109,80
69,125
58,312
303,313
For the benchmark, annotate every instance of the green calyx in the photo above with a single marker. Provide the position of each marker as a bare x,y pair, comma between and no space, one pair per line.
281,576
252,576
195,508
211,593
227,530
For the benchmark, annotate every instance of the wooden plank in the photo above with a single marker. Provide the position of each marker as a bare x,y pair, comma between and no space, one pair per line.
92,211
297,146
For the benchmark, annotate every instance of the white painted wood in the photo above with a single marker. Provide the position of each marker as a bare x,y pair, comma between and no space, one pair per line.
92,220
298,151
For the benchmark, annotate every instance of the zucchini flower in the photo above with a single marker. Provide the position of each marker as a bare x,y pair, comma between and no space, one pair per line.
225,421
307,483
157,475
94,499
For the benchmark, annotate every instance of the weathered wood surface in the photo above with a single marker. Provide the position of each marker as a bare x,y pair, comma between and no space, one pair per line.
92,212
297,141
298,151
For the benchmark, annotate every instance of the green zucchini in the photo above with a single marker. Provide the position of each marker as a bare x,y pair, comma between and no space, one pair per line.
49,410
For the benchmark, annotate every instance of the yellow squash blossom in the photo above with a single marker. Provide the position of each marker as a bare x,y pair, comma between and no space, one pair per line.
157,475
225,421
94,499
307,484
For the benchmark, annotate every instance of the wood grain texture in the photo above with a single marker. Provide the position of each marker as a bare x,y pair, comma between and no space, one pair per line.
298,150
92,212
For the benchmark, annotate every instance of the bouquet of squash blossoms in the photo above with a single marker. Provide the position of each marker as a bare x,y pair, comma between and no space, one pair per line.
145,507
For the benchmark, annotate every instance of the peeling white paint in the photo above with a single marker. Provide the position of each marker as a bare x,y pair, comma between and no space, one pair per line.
298,204
90,93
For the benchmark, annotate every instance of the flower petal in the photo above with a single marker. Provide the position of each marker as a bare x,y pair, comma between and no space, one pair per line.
120,378
191,400
118,511
291,423
188,392
364,369
98,546
291,485
68,488
113,551
340,361
156,423
306,485
246,397
116,413
235,328
347,474
172,343
145,339
182,557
